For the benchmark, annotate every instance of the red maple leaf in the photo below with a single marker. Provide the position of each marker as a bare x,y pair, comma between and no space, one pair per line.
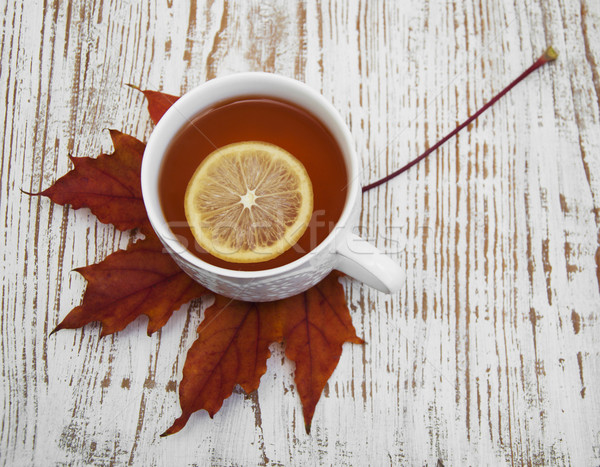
142,280
234,337
158,102
109,185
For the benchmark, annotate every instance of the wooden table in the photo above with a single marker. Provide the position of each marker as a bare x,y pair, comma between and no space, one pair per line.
490,352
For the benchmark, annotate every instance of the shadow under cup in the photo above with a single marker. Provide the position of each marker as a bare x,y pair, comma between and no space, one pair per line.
256,118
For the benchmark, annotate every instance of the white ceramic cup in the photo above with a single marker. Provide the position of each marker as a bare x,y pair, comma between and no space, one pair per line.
341,249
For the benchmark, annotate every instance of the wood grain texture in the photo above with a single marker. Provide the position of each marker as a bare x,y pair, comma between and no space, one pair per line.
489,354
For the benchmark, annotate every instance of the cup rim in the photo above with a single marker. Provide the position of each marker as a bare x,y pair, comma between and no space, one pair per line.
179,114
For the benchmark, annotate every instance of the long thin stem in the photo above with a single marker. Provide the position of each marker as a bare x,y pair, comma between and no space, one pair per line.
548,56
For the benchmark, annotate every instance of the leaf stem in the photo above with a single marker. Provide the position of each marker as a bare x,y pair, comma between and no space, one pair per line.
548,56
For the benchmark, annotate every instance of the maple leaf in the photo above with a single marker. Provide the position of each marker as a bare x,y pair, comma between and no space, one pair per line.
158,102
234,337
316,324
142,280
233,347
109,185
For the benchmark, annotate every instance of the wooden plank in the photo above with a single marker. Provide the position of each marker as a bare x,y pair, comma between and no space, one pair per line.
486,356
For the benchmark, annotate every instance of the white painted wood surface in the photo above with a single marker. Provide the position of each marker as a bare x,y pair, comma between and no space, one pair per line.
490,353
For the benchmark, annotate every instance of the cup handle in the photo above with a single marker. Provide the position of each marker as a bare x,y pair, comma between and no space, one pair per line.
362,261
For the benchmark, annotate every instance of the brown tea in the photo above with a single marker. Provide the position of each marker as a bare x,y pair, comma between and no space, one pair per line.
256,119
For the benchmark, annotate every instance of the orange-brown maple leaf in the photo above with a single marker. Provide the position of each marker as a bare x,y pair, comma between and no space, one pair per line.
109,185
142,280
316,324
233,347
158,102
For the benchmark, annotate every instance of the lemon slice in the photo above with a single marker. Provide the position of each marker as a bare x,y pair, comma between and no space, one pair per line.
249,202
